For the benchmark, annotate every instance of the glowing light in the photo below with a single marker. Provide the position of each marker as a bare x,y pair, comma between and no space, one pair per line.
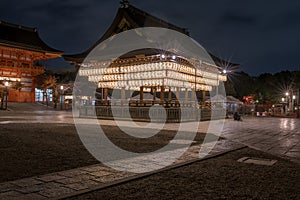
294,97
153,74
286,94
224,71
6,83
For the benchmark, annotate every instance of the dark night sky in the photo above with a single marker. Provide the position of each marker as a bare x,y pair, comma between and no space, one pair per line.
263,36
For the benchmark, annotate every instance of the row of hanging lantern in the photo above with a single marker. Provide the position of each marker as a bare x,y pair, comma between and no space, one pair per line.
148,67
154,83
165,73
149,76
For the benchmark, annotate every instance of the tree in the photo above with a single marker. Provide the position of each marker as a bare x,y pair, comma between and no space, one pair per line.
50,83
267,88
243,84
229,88
17,86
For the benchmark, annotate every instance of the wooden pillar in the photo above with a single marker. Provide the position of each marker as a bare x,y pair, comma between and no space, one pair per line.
193,96
168,103
178,93
141,94
105,93
186,95
162,95
32,91
123,95
203,97
177,96
170,95
129,96
154,95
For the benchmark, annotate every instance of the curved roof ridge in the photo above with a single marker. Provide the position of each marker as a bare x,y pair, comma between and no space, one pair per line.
158,20
26,28
23,37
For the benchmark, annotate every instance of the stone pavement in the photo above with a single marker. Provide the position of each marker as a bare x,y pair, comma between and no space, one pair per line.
33,113
67,183
277,136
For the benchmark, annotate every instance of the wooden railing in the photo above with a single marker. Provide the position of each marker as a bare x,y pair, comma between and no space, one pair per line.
158,114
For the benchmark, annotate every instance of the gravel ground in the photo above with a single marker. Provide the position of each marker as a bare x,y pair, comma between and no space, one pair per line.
36,148
218,178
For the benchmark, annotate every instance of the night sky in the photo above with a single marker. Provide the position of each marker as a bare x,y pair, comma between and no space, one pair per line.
263,36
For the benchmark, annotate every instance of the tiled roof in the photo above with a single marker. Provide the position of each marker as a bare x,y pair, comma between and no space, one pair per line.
17,36
136,18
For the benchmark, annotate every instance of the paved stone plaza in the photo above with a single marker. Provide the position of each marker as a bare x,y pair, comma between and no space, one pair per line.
277,136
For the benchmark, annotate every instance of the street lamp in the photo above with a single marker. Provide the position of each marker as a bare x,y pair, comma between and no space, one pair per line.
61,97
223,72
293,102
288,104
6,94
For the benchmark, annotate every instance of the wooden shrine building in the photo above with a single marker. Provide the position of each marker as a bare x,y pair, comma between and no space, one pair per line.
20,50
154,77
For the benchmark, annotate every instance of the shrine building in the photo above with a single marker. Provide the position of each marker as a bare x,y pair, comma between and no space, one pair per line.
154,77
20,50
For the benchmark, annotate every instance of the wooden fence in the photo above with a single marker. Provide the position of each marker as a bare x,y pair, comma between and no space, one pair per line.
158,114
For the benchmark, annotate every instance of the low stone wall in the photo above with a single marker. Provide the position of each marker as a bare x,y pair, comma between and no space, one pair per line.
143,113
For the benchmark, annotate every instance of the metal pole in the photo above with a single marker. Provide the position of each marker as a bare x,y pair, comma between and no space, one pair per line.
217,89
293,102
6,97
61,96
60,100
287,102
6,94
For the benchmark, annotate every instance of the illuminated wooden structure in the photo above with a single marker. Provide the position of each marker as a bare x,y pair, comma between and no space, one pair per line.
164,73
20,49
165,76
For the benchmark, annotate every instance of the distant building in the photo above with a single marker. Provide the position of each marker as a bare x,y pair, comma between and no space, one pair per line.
20,50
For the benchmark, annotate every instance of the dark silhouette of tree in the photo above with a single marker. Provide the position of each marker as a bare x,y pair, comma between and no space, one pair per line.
50,83
17,86
243,84
229,88
267,88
